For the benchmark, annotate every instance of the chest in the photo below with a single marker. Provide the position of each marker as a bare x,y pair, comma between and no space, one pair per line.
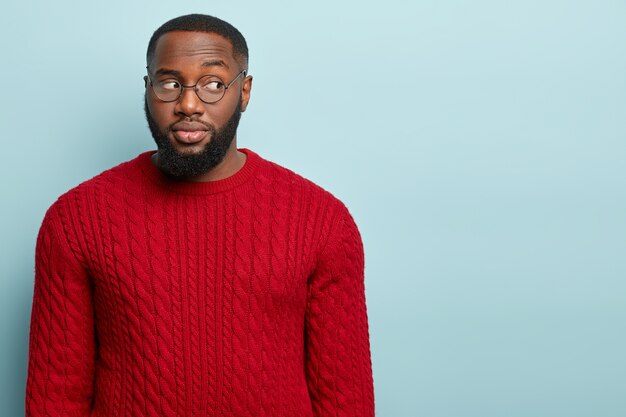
257,245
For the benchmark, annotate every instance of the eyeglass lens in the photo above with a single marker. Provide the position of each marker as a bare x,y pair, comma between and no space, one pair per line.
209,89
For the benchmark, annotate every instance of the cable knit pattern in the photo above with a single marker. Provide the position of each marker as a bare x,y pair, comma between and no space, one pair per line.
239,298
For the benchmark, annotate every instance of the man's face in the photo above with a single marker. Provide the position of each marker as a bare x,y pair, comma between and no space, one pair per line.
192,136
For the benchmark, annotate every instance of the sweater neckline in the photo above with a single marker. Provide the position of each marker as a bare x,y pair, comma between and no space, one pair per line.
240,177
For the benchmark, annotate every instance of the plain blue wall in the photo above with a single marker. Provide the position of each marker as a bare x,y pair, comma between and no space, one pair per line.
480,145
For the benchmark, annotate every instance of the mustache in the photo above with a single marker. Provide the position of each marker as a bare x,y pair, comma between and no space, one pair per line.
187,123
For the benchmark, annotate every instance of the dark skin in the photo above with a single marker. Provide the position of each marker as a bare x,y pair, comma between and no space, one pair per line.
188,56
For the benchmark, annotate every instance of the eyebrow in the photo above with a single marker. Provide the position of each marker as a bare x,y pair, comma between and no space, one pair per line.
205,64
165,71
215,63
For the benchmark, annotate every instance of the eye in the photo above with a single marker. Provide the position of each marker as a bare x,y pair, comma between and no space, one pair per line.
169,85
211,84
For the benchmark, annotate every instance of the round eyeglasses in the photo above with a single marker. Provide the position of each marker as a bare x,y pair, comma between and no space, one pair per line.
210,88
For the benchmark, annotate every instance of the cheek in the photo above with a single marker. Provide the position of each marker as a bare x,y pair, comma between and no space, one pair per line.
223,113
161,113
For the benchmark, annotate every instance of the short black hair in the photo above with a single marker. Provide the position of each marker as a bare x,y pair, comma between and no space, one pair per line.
202,23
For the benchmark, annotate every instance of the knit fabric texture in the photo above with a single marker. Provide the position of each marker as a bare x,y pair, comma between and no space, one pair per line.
242,297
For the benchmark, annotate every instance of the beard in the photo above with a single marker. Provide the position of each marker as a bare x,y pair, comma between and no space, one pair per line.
178,165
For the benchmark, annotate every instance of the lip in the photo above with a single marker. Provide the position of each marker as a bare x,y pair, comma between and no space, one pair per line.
190,132
190,136
189,126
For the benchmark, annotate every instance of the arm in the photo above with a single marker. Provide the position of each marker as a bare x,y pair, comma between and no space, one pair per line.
61,356
338,362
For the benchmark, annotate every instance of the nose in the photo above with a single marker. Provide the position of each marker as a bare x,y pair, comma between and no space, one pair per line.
189,103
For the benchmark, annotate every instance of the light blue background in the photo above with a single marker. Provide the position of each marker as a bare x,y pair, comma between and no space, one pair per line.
480,145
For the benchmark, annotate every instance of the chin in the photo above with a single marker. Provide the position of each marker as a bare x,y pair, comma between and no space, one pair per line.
189,150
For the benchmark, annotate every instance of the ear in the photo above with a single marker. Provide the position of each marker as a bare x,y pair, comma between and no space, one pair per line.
145,81
246,88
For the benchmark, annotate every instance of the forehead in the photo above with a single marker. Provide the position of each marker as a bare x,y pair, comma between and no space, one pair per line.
180,49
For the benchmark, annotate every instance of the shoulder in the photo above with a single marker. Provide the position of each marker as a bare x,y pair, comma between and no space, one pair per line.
285,180
109,180
74,214
105,185
329,218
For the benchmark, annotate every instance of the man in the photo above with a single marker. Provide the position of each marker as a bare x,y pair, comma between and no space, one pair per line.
200,279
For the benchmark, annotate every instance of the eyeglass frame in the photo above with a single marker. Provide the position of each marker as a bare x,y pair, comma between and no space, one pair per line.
182,87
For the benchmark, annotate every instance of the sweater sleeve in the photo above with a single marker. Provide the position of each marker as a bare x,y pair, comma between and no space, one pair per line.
338,362
61,358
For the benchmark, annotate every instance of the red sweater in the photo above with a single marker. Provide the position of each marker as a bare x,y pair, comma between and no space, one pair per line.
242,298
